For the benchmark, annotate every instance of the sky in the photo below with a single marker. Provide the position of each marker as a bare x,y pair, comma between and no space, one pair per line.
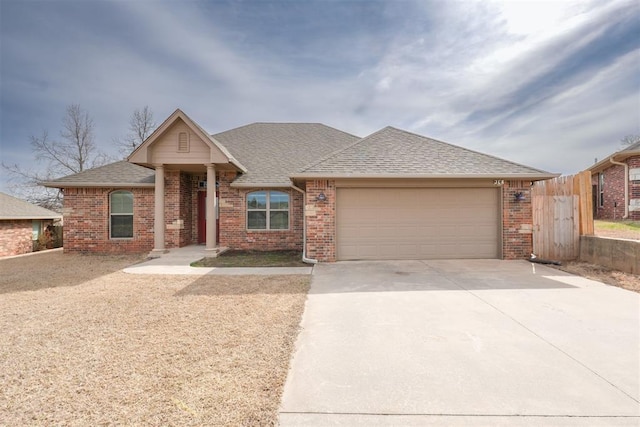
550,84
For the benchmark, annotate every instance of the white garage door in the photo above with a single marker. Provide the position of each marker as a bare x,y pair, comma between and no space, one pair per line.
417,223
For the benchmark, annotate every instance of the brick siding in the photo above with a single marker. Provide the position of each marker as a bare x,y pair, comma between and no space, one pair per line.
613,207
179,194
517,223
86,221
517,220
321,220
86,215
16,237
233,223
634,187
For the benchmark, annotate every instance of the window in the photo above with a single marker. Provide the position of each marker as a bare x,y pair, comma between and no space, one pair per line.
268,210
601,188
121,214
35,227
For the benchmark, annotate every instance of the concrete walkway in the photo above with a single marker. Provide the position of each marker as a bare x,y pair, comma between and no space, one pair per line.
460,343
177,262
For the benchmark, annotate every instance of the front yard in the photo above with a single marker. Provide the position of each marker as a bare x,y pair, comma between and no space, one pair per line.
85,344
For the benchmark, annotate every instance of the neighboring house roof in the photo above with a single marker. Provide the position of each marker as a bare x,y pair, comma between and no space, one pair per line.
118,174
394,153
14,208
630,151
272,151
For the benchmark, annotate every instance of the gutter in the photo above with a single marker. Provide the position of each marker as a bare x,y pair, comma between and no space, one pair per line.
343,175
626,186
304,228
53,184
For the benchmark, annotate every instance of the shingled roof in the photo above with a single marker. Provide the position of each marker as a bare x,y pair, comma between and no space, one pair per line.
633,147
272,151
118,174
14,208
621,155
392,152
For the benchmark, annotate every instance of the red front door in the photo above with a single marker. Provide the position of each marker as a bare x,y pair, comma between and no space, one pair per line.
202,219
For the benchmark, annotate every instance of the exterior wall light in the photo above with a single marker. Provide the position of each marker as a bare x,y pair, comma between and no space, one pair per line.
321,197
519,196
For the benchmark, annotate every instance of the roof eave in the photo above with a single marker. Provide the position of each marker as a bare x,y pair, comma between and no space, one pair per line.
26,217
260,185
616,157
53,184
533,177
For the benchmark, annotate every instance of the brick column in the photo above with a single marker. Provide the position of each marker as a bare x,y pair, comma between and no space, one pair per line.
517,220
321,220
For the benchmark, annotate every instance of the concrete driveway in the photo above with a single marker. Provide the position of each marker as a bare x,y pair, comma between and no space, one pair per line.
474,342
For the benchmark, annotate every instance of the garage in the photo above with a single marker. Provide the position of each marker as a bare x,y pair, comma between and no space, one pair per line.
418,223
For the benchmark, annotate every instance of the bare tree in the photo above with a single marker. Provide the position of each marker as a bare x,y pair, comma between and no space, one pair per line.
141,125
628,140
74,152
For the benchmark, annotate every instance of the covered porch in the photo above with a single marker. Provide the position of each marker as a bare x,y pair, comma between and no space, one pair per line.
187,162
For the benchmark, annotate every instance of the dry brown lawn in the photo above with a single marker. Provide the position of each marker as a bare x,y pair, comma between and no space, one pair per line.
627,281
84,344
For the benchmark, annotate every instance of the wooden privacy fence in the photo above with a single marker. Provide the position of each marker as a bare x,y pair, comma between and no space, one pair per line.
562,211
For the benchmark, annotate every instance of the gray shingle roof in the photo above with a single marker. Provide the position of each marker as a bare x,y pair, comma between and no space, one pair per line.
118,174
394,152
621,155
14,208
633,147
271,152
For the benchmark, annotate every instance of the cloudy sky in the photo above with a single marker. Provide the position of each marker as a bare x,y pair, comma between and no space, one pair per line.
552,84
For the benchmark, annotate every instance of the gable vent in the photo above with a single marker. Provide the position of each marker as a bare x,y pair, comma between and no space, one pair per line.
183,142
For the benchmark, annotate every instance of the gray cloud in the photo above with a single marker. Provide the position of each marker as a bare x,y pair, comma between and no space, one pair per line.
438,68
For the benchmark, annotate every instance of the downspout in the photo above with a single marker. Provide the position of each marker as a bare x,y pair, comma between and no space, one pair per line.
626,186
304,227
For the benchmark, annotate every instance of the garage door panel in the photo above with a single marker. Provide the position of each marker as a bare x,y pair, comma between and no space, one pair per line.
417,223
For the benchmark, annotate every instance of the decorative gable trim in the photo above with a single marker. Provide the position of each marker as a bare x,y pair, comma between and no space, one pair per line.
141,155
183,142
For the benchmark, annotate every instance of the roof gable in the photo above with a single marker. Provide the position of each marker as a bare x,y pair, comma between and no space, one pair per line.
392,152
14,208
161,147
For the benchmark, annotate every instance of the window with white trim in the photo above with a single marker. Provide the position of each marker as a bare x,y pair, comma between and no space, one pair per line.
267,210
601,188
121,215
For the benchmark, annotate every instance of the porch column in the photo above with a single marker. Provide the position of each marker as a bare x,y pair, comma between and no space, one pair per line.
158,221
211,211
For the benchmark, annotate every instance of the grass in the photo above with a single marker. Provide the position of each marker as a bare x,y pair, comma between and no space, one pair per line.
254,259
617,225
121,349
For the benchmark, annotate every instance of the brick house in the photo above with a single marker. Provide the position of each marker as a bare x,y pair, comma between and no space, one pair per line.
302,186
616,185
22,224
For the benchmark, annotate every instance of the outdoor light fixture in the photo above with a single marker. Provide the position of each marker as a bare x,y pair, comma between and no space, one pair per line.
519,196
321,197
